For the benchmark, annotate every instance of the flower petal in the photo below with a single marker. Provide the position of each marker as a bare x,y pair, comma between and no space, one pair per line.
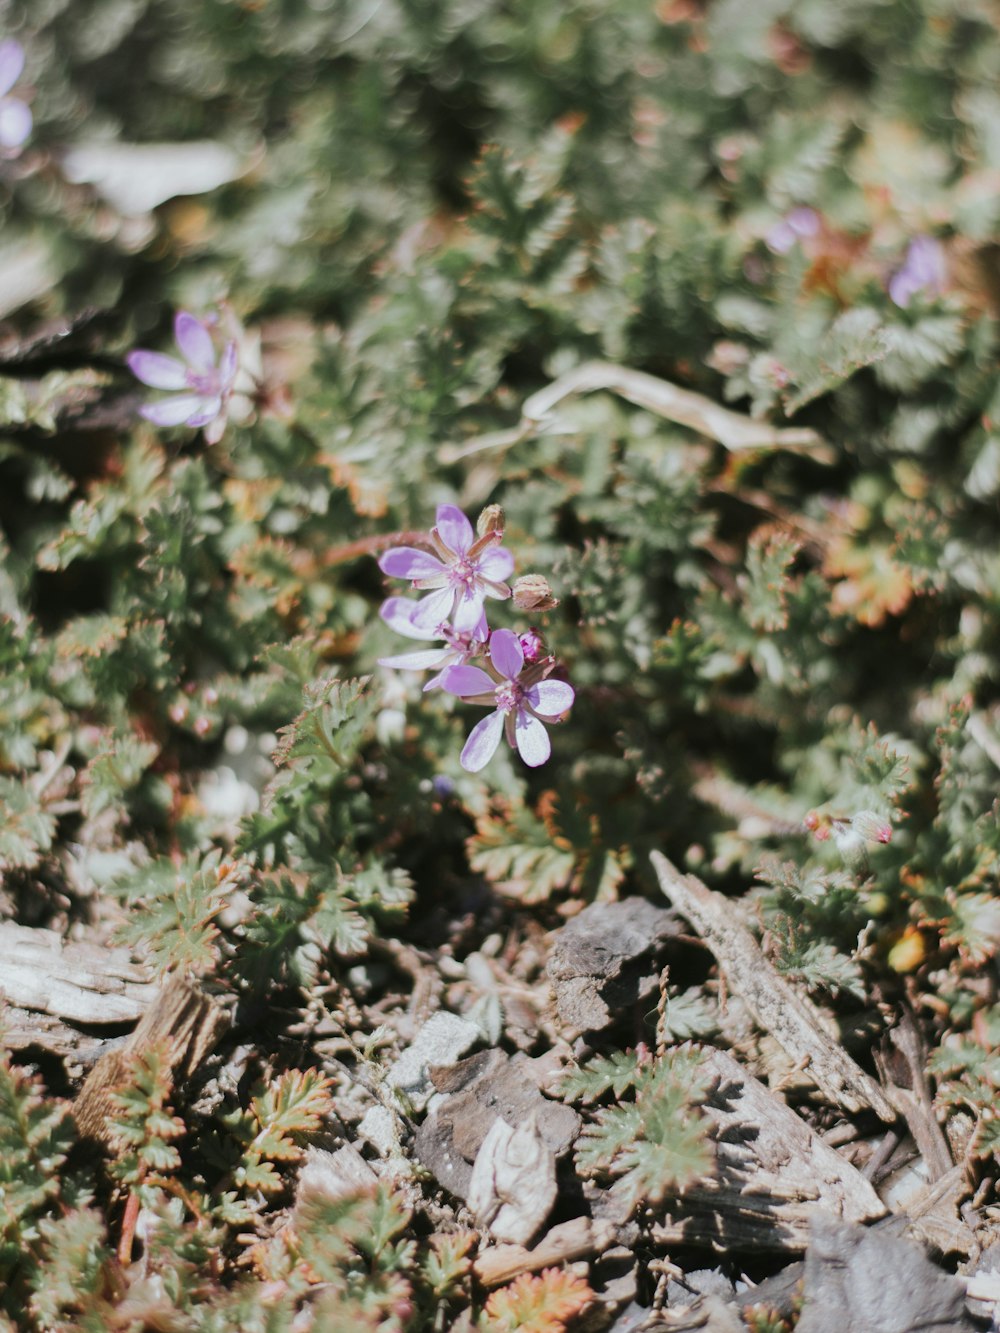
228,366
406,562
496,564
468,614
483,740
397,612
173,411
422,661
506,653
433,610
214,429
195,342
157,370
11,64
468,680
15,123
454,529
533,744
551,697
211,409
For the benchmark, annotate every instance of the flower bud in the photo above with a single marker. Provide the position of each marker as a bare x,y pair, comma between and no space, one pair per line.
531,645
532,593
490,523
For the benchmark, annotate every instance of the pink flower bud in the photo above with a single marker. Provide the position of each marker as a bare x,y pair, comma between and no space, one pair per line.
531,642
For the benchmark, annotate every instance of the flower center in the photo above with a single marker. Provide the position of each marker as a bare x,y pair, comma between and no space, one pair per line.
207,383
463,574
509,696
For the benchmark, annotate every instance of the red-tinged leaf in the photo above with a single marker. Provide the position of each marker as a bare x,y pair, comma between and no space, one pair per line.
537,1303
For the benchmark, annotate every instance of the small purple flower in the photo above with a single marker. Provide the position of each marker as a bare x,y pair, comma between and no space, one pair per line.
923,270
464,571
459,648
793,227
522,699
202,388
15,117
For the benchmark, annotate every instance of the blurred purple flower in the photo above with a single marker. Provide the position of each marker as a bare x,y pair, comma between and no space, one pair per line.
464,572
923,270
793,227
522,699
201,387
459,648
15,117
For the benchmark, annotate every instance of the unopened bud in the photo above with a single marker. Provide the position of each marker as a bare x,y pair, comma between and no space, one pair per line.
491,523
532,593
531,645
872,827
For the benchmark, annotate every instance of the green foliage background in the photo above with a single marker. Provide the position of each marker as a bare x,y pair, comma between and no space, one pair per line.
439,208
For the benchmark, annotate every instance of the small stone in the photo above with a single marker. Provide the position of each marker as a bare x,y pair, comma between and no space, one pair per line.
442,1040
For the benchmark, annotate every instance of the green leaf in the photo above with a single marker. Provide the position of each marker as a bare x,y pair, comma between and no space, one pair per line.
26,827
616,1072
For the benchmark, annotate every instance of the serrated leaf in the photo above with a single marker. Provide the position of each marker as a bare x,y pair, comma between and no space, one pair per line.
26,827
542,1302
615,1073
764,587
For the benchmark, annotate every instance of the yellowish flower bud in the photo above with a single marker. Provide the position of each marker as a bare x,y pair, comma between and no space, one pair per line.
491,522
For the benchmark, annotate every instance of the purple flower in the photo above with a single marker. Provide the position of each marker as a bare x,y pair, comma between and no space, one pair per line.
202,388
923,270
793,227
15,117
459,648
464,571
522,699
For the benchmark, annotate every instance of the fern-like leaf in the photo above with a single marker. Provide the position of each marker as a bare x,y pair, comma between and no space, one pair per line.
537,1303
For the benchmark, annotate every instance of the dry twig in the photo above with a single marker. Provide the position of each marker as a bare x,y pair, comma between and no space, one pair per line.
791,1017
731,429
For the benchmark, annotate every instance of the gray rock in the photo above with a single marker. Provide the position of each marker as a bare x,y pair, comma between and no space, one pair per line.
601,961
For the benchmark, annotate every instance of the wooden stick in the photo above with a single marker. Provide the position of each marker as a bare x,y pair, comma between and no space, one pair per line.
731,429
580,1238
787,1014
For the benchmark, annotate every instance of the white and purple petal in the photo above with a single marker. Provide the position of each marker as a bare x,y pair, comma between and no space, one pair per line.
174,411
422,661
454,529
210,410
433,610
483,740
533,744
15,122
228,366
496,564
465,681
157,370
195,342
468,613
11,64
407,562
397,612
551,698
506,653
